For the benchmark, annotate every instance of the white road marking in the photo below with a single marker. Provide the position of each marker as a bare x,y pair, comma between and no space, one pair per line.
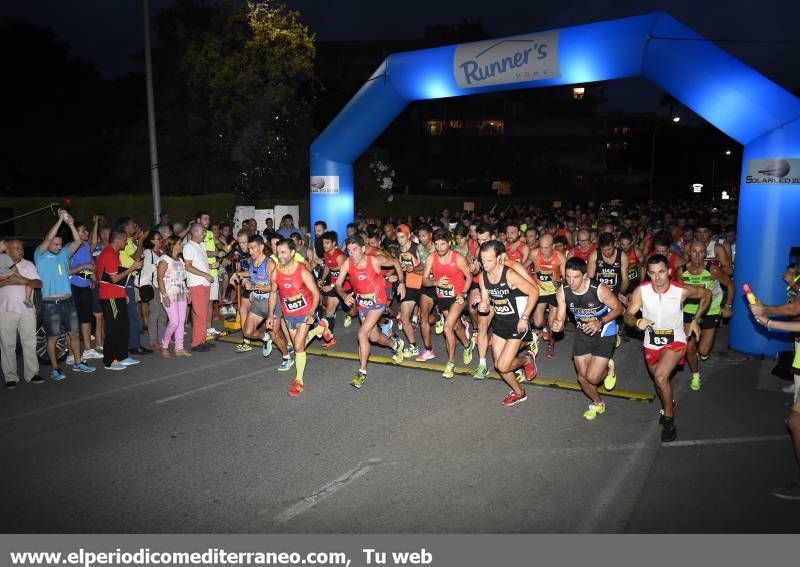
726,441
209,387
110,392
326,491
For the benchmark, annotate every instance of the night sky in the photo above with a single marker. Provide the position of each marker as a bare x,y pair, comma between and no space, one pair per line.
107,32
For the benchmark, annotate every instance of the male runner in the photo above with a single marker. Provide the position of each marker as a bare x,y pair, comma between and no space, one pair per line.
595,308
333,259
448,271
428,294
369,295
516,249
294,285
661,303
411,266
512,298
547,267
716,255
698,272
584,246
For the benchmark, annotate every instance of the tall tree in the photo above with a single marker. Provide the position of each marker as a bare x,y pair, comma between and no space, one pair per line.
249,75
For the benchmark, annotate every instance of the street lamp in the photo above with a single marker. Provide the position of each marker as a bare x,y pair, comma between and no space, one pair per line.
676,119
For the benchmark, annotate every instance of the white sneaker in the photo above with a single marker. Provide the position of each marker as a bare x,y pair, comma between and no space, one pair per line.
71,360
90,353
788,389
212,332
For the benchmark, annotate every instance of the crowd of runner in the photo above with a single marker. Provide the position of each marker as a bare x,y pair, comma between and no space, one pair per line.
508,279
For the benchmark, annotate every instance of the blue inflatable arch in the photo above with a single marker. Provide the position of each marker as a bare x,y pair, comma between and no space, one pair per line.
741,102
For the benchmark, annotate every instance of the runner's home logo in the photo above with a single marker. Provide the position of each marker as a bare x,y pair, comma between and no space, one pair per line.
325,184
773,171
518,59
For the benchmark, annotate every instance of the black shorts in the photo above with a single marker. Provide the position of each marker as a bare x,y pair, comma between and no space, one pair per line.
83,303
331,293
430,292
706,322
508,331
474,286
548,300
445,303
596,346
633,284
96,307
412,294
245,293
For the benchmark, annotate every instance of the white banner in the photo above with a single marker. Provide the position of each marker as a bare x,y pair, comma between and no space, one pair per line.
518,59
325,184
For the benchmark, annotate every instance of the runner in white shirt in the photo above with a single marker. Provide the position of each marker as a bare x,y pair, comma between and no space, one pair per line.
661,303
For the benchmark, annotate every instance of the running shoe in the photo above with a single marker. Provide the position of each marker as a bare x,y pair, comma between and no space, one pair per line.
661,412
285,364
397,357
789,492
386,327
533,345
115,366
358,379
83,368
90,354
129,361
513,399
56,374
439,327
411,350
696,383
551,350
594,410
326,330
314,333
212,332
611,378
703,358
296,388
425,355
449,370
668,431
519,374
71,359
243,347
329,343
348,320
481,372
266,348
546,334
530,368
468,351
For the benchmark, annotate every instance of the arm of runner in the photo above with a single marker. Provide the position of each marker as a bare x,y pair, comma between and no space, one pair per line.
704,295
561,311
427,280
562,265
311,284
520,269
391,262
724,259
485,303
633,309
725,280
529,260
623,260
463,265
269,323
591,264
348,298
524,252
614,305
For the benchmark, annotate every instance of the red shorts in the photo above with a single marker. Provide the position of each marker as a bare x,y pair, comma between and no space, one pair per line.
653,355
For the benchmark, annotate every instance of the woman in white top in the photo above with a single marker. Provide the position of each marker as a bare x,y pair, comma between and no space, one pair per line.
171,278
152,311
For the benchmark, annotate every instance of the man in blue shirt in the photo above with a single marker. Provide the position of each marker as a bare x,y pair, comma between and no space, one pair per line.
287,226
58,307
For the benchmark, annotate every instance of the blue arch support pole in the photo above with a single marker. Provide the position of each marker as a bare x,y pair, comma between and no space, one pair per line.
738,100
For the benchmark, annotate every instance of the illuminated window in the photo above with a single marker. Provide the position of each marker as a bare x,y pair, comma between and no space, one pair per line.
578,93
434,127
492,127
625,130
455,125
502,187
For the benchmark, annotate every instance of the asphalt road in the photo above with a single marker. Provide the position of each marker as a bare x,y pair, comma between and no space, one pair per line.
214,444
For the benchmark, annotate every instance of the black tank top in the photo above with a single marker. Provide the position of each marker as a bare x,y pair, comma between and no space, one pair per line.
588,307
507,303
609,274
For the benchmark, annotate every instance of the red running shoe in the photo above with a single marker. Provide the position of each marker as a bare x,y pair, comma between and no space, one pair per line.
295,389
551,350
330,343
515,398
530,367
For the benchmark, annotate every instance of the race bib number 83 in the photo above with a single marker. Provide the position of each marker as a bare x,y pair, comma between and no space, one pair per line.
662,337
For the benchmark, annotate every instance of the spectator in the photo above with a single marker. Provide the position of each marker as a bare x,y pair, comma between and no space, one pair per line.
58,307
174,295
149,289
81,270
97,241
287,226
130,254
198,281
18,319
113,298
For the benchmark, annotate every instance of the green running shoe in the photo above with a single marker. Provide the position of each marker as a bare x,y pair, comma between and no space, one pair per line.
449,370
481,372
411,351
398,356
468,352
348,320
439,327
358,379
611,378
594,410
696,383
